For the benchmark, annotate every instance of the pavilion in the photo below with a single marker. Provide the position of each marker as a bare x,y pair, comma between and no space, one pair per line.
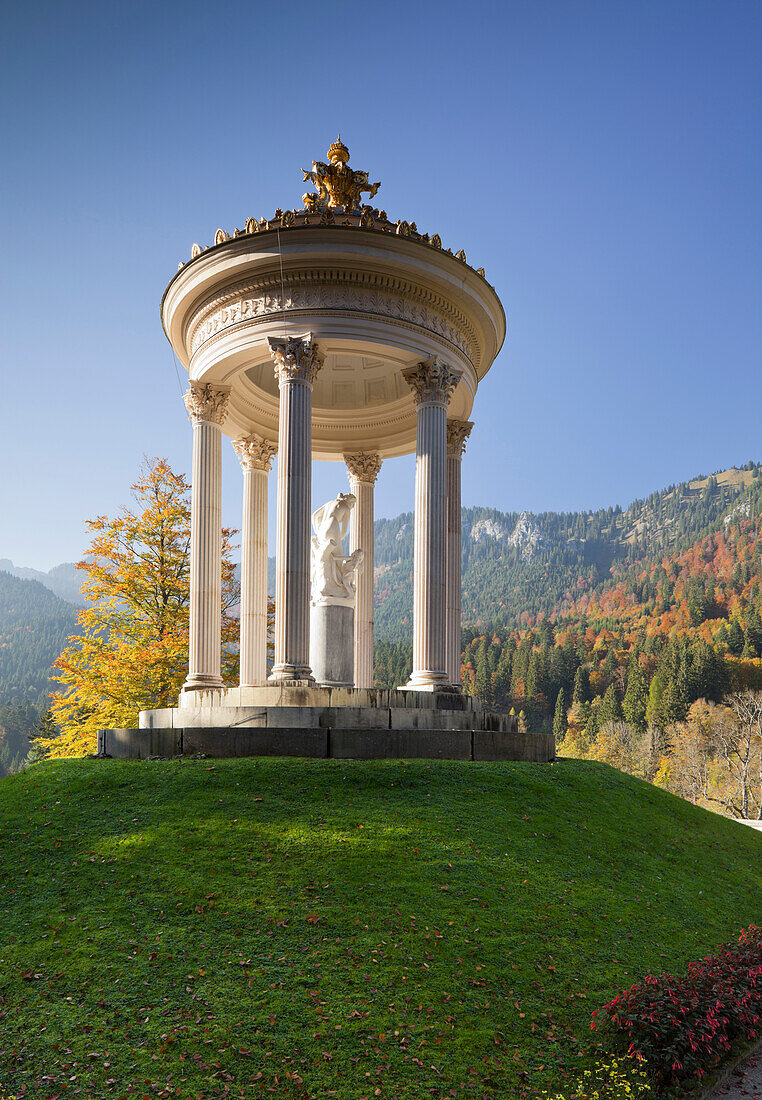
329,332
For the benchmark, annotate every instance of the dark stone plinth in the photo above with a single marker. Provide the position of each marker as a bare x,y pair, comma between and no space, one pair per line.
536,748
129,744
272,741
410,744
358,742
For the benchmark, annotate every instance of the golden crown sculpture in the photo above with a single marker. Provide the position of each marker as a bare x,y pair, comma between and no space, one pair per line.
337,184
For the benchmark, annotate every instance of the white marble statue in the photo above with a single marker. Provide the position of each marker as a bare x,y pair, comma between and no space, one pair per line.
333,573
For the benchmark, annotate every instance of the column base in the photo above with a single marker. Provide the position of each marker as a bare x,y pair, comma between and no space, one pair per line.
424,680
199,682
291,675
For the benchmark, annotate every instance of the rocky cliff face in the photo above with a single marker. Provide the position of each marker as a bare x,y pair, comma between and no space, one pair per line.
488,529
526,536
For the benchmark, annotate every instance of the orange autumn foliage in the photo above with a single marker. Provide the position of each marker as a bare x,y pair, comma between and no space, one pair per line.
132,653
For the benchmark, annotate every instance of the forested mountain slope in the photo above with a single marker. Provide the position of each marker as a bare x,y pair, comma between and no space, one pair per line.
34,627
517,567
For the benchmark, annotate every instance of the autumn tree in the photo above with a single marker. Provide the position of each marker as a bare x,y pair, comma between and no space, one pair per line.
132,652
743,753
715,756
620,745
691,768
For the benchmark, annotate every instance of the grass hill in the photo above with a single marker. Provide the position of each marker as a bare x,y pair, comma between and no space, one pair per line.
341,929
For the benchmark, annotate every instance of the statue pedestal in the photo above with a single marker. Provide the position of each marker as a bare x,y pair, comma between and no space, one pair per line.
332,644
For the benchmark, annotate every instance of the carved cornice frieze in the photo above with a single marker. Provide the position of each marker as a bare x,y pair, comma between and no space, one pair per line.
432,381
254,452
204,402
360,292
363,467
296,358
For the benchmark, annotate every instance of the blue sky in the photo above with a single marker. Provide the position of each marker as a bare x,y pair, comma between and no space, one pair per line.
600,159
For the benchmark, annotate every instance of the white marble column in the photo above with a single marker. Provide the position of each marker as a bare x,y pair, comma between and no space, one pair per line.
432,383
207,407
458,432
363,471
256,455
296,364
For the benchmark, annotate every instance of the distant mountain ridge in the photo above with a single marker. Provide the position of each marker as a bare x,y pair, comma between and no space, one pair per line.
64,580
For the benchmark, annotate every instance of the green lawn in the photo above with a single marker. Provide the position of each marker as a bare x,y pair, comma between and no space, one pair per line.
326,928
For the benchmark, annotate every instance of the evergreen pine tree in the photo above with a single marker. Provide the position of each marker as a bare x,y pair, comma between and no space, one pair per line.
581,693
636,697
557,673
501,679
735,637
559,718
610,709
611,664
482,683
655,709
534,678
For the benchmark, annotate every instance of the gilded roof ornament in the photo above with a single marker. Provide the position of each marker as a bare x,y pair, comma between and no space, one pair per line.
337,184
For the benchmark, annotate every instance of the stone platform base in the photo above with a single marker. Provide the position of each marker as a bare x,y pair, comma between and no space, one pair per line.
345,723
343,744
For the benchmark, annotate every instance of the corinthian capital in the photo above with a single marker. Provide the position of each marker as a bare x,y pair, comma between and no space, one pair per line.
363,467
296,358
432,382
254,452
204,402
458,432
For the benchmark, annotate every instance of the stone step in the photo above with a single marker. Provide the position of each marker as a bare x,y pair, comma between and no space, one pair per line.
324,717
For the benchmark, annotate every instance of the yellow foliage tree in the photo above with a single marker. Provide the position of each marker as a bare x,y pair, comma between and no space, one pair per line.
620,745
132,654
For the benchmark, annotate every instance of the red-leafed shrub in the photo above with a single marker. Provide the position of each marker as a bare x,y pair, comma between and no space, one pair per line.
683,1025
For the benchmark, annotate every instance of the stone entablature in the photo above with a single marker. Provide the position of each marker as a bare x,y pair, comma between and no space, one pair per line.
356,292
